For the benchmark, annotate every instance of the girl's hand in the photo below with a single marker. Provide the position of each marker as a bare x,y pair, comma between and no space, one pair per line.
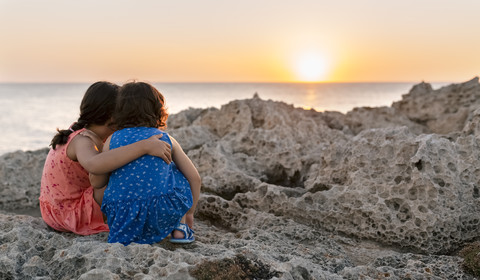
158,148
94,137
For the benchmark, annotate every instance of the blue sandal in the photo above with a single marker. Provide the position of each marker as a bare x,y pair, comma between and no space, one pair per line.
188,234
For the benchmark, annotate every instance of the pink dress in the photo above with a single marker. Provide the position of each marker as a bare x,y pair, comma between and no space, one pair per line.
66,196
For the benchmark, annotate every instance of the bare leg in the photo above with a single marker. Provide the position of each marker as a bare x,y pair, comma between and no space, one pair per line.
98,197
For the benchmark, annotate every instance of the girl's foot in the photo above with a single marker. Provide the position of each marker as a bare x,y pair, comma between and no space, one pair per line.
178,234
182,234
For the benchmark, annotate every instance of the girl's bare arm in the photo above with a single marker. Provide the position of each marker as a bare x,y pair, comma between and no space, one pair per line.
95,162
186,166
99,181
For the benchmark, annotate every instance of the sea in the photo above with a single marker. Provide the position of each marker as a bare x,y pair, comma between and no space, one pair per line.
30,113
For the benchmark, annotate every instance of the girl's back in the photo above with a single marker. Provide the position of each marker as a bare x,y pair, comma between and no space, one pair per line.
145,198
146,176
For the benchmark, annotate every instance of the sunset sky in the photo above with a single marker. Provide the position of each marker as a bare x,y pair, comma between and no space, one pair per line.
239,41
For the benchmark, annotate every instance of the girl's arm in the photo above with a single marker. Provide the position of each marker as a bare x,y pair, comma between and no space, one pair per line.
99,181
82,149
186,166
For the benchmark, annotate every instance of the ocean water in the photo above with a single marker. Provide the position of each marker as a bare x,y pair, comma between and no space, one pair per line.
30,113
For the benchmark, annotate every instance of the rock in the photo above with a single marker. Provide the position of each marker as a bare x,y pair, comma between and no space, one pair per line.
185,117
360,119
444,110
391,186
99,274
287,193
20,184
472,126
192,137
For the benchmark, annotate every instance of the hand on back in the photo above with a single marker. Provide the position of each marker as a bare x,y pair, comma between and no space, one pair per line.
159,148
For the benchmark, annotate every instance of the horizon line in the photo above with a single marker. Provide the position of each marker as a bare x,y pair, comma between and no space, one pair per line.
235,82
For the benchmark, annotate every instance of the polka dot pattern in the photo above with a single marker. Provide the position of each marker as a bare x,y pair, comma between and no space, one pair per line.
147,197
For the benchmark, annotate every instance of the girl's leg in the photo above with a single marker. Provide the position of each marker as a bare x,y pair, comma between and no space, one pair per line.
98,195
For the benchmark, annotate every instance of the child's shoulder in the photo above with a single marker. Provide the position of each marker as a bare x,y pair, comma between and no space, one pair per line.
141,132
150,131
165,137
140,129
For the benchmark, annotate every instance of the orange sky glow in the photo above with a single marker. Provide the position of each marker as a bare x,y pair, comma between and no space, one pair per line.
239,41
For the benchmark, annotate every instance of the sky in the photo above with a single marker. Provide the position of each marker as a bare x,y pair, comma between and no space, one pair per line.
239,41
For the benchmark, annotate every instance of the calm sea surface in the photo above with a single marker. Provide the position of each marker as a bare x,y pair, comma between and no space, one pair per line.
30,113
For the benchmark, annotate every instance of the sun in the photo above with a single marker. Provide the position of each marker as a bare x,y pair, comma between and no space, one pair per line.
310,67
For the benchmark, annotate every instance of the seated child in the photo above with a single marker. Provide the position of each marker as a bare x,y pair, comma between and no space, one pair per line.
68,202
147,199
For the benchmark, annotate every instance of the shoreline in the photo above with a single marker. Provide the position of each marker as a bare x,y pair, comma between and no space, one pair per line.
38,131
290,193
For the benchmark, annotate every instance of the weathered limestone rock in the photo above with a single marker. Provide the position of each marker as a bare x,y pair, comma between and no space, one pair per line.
288,193
472,127
363,118
392,186
443,110
20,184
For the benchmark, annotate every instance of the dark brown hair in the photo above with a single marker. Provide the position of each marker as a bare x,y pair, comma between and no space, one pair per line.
97,107
140,104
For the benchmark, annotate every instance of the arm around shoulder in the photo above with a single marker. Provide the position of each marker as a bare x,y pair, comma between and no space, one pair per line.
101,163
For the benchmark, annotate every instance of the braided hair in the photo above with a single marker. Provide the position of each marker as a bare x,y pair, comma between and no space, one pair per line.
97,108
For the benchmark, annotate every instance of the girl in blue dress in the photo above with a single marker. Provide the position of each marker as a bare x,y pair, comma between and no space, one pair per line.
147,199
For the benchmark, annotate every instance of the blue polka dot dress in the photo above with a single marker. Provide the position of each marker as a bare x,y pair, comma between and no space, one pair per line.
146,198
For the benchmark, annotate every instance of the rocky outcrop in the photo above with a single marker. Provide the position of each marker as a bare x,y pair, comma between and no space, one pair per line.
288,193
444,110
21,173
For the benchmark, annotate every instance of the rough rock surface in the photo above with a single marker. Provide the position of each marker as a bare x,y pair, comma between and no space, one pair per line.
20,173
287,193
444,110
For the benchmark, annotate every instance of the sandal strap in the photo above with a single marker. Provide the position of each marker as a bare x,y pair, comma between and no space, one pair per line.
187,231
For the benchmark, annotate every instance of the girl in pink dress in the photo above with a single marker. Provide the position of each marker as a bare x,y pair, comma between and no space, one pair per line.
68,202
